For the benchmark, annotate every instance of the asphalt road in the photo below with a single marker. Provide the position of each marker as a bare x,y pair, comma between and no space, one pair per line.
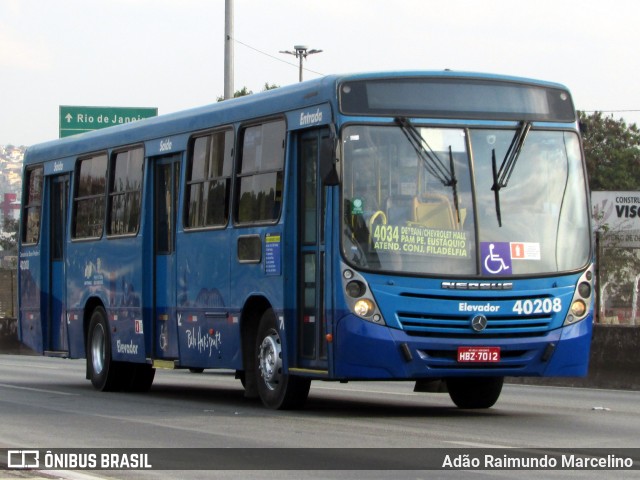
47,403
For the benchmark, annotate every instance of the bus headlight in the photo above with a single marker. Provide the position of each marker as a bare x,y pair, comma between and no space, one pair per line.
359,297
363,307
582,298
578,308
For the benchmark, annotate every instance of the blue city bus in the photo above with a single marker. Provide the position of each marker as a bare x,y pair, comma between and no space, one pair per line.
424,226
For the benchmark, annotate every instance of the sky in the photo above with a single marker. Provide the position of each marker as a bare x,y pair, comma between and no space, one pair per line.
169,54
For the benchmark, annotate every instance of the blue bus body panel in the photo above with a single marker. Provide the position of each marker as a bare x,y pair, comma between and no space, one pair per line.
113,274
423,307
432,323
208,325
30,327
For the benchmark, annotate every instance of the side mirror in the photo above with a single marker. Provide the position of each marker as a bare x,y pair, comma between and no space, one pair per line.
328,161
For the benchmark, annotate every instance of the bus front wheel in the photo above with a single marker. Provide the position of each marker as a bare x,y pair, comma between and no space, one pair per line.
139,377
475,392
101,368
276,389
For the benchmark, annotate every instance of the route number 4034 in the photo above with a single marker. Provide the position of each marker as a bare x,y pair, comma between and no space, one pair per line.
539,305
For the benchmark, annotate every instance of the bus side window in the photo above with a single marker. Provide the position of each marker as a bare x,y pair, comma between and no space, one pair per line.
210,161
125,192
260,177
89,199
32,206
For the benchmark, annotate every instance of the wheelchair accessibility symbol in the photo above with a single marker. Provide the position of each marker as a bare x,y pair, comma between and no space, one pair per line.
496,258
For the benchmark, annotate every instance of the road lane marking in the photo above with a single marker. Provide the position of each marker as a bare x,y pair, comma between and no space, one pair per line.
42,365
477,444
41,390
71,475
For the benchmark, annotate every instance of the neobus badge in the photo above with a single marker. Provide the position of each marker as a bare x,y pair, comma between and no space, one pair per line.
477,285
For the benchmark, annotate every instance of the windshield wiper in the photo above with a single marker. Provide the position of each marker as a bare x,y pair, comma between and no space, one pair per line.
501,177
430,159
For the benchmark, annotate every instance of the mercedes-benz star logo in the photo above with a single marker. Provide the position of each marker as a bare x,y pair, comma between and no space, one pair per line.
479,323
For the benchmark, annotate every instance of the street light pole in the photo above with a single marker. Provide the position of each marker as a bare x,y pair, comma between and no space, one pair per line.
301,52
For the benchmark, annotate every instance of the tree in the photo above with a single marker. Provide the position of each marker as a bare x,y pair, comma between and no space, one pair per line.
245,91
612,152
9,236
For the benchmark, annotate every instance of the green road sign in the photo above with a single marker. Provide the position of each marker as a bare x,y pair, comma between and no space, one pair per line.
84,119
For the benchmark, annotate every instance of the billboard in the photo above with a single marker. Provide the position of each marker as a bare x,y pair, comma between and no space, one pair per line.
617,217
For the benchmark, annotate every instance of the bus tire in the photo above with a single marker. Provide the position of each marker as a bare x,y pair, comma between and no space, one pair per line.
276,389
141,377
474,392
102,370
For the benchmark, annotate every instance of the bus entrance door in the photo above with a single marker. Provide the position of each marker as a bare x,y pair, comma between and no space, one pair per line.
165,206
314,260
56,341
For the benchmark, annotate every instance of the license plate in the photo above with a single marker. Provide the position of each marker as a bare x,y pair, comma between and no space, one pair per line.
478,354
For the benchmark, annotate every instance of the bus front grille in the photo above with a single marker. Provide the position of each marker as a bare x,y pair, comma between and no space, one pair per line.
433,325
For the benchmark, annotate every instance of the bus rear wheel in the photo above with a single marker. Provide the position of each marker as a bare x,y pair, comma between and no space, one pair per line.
475,392
102,370
276,389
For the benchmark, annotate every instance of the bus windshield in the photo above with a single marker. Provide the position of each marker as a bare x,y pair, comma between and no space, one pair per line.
432,201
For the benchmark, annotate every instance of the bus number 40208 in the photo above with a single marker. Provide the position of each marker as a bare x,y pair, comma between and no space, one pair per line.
539,305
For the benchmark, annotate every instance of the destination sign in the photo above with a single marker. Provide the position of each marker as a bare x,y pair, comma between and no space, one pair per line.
420,240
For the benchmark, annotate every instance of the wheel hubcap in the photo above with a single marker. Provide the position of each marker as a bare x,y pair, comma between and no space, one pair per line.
270,360
97,349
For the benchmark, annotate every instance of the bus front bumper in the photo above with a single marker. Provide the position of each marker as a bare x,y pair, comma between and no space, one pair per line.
364,350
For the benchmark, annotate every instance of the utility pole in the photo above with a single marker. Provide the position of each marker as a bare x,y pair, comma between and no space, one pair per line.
301,52
228,49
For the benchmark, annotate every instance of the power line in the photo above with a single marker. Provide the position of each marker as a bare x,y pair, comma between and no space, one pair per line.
274,57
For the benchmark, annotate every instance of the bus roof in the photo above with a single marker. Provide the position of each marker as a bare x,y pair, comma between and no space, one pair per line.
271,102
